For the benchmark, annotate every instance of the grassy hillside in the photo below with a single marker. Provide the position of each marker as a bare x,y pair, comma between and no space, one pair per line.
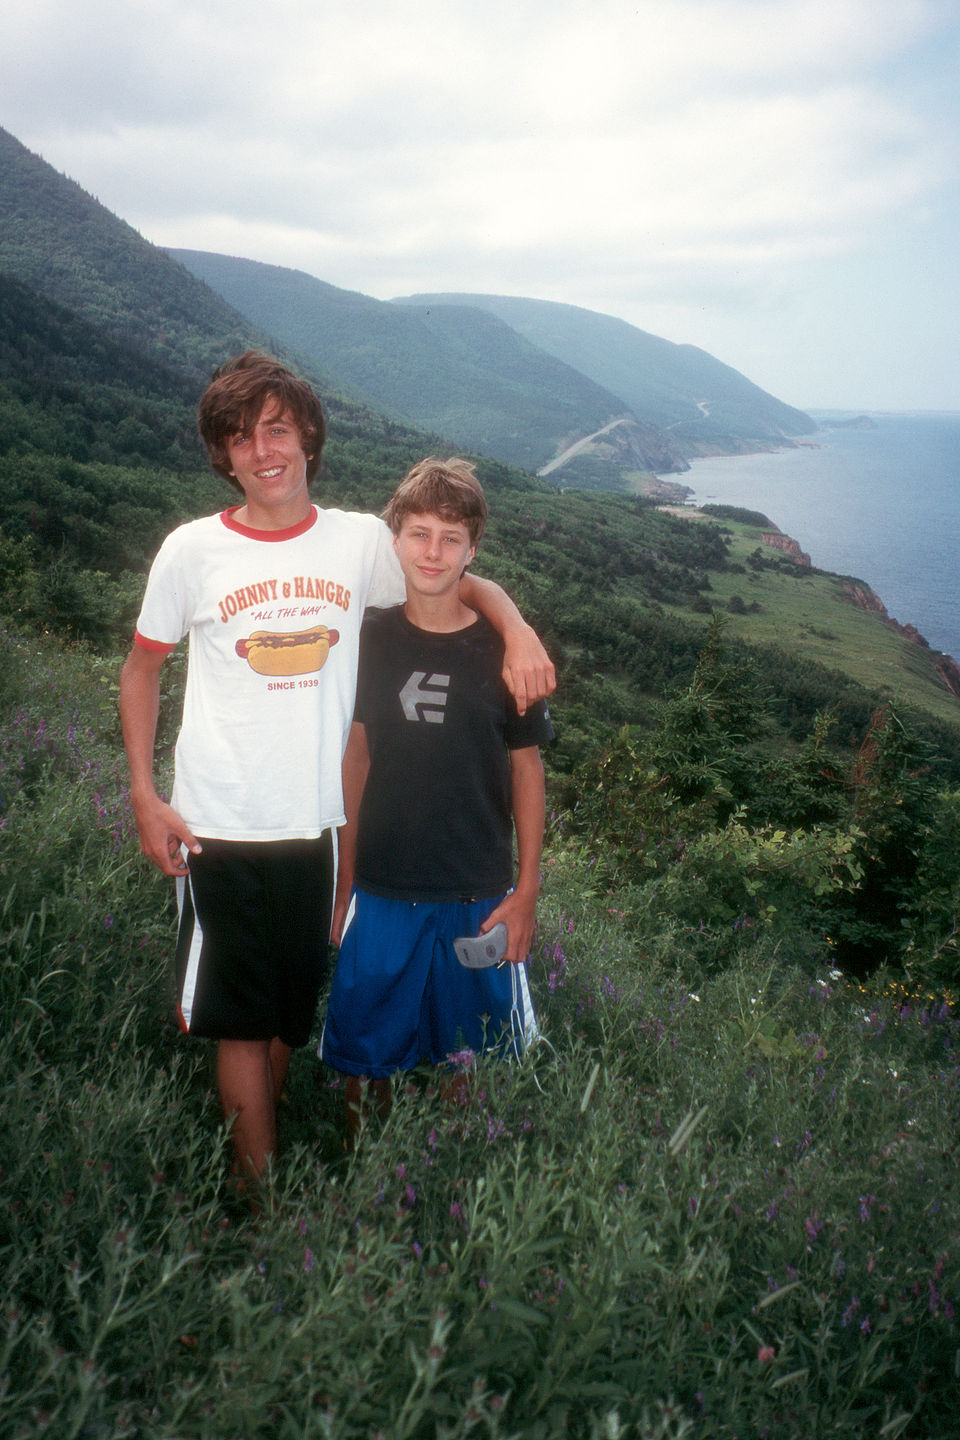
707,406
768,599
714,1202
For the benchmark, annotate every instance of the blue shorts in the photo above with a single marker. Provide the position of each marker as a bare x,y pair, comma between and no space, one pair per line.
400,995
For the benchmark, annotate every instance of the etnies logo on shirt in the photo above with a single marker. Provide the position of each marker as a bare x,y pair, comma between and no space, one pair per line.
424,696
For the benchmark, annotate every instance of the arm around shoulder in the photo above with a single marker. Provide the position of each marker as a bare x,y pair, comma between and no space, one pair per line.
527,668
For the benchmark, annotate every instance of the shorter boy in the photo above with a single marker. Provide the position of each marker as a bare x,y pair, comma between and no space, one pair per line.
440,769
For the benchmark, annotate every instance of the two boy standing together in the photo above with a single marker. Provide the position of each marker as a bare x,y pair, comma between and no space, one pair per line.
272,594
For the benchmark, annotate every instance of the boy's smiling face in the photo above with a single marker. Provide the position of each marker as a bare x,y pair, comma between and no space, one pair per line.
271,468
433,554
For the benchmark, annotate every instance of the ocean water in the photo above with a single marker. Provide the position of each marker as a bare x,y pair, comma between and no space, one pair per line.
882,505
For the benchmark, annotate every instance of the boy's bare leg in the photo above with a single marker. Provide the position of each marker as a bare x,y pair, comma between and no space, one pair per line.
279,1064
381,1091
247,1081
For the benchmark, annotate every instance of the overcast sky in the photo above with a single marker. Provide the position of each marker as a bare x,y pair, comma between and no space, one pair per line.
774,180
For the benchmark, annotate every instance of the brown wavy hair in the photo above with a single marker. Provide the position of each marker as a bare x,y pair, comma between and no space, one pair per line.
235,399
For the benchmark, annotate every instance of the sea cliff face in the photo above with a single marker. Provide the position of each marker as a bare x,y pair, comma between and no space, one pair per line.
866,598
789,547
949,672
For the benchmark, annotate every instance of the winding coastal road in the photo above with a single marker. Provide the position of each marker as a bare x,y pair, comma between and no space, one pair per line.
579,445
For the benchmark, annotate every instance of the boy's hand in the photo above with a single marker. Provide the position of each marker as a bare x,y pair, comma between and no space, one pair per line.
527,668
519,913
162,832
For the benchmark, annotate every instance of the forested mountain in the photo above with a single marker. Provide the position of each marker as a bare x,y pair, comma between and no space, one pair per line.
105,345
489,375
460,372
522,380
61,242
706,406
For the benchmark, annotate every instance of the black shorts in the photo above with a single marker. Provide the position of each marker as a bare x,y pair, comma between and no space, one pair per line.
253,943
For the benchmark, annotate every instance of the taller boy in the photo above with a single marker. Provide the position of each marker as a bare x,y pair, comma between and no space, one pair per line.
271,594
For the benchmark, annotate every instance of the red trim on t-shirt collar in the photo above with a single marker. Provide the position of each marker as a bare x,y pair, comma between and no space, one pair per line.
290,533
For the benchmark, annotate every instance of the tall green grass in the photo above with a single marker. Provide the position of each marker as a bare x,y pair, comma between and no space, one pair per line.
719,1206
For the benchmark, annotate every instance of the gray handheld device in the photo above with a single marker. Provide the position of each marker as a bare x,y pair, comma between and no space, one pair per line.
477,952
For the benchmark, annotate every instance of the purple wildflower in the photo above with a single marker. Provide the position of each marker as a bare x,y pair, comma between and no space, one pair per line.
814,1225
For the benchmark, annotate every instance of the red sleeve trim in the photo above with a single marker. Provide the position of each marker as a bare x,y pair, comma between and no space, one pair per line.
156,645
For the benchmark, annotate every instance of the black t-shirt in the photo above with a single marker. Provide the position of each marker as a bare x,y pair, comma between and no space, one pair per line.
436,818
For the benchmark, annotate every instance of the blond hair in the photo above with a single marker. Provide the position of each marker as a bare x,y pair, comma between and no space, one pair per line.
448,488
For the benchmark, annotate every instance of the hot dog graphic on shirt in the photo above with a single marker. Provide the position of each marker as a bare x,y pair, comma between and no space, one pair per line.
296,652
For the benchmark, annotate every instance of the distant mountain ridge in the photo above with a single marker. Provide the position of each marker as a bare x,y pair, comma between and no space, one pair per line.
458,371
705,405
584,397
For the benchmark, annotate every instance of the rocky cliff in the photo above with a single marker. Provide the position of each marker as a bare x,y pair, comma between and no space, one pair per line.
788,547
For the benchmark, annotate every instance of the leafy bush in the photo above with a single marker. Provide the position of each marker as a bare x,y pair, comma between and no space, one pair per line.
710,830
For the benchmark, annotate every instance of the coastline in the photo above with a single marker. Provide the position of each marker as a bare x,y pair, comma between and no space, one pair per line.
676,498
878,499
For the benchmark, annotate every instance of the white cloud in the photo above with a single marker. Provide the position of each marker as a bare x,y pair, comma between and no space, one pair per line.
632,149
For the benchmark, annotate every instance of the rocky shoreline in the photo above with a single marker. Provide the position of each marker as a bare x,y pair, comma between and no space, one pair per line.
867,599
674,496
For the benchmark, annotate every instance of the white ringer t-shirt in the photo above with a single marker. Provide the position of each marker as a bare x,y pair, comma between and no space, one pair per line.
273,619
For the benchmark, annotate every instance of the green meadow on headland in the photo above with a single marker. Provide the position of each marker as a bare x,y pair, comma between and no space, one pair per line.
719,1199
